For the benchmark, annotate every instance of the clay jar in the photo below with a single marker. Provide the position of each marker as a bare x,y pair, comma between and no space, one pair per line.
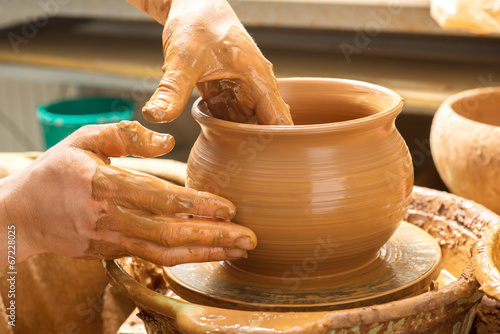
465,144
322,196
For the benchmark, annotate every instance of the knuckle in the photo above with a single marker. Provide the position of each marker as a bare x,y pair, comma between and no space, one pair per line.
170,83
208,254
165,237
170,27
128,126
268,63
125,124
263,65
87,130
104,222
167,258
217,237
233,50
268,66
103,186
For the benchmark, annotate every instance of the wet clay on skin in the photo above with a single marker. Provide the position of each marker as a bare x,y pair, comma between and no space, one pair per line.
107,212
486,256
150,214
207,47
465,143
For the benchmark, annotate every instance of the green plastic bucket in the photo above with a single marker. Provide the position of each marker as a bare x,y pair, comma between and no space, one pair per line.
60,119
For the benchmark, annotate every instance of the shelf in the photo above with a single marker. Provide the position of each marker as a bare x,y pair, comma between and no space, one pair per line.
98,49
405,16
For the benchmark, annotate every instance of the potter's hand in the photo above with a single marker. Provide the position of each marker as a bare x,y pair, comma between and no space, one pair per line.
71,201
205,45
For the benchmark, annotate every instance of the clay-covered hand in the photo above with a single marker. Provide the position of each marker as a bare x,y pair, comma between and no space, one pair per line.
205,45
71,201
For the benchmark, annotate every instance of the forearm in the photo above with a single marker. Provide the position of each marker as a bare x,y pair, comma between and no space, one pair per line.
5,222
157,9
14,238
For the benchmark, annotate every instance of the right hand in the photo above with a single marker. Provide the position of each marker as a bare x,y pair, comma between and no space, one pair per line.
205,45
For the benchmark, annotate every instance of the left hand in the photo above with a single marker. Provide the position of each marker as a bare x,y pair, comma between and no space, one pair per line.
71,201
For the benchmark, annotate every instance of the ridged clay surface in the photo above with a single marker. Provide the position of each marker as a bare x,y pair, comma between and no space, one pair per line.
334,187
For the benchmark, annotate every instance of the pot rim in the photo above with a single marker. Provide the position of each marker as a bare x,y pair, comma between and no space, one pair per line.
451,100
391,112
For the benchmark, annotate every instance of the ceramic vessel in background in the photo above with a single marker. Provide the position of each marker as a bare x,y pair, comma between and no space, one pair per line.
465,144
322,196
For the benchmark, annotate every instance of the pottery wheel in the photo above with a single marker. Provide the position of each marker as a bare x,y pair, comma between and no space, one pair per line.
406,265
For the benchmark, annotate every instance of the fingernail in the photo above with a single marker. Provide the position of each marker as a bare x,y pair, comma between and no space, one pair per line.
163,141
161,137
245,243
236,253
155,111
223,213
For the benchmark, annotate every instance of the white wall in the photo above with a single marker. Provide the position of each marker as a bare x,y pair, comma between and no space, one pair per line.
19,128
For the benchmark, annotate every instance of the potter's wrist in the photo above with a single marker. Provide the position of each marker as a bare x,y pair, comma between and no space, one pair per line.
5,190
157,9
12,220
5,222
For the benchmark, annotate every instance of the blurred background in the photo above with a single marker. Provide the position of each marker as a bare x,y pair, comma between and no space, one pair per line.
51,50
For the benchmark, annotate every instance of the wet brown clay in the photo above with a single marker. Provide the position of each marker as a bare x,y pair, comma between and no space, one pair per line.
340,178
486,257
454,222
465,143
112,212
205,45
406,265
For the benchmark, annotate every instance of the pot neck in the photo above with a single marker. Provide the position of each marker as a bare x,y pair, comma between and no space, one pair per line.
376,122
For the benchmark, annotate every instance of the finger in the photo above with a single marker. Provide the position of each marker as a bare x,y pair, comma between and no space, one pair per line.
174,232
110,247
270,108
223,100
173,92
157,196
174,256
259,75
246,103
124,138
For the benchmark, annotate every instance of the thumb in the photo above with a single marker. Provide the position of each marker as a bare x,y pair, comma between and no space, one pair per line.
120,139
173,93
